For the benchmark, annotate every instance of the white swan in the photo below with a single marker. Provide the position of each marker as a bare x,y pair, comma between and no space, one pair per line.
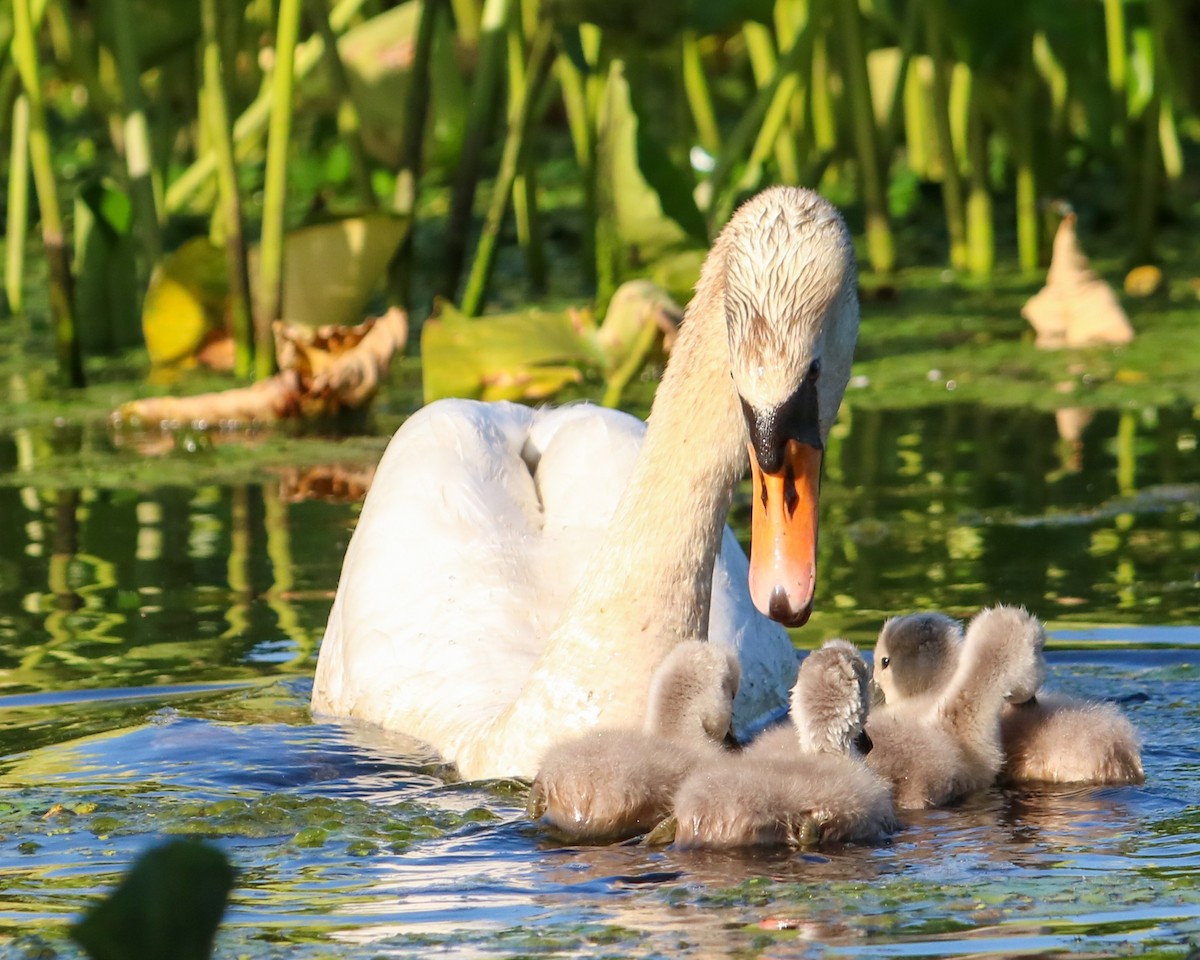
517,575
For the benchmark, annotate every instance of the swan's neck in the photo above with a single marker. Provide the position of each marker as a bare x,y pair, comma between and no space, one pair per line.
650,583
654,572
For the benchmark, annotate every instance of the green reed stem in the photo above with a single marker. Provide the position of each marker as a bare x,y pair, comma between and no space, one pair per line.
230,206
981,237
485,99
881,250
255,118
416,110
271,250
952,187
138,153
515,144
695,85
763,60
1118,66
62,294
524,192
349,123
17,223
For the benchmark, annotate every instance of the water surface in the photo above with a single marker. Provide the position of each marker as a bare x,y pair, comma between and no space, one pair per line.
158,636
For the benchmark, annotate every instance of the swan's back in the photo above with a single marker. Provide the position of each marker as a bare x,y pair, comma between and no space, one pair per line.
479,524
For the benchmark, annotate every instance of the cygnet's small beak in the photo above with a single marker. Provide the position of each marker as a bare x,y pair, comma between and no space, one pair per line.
783,534
877,697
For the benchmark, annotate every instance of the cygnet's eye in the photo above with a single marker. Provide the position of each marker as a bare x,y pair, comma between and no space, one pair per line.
883,663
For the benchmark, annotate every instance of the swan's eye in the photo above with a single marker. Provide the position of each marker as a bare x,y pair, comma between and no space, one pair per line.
883,663
814,370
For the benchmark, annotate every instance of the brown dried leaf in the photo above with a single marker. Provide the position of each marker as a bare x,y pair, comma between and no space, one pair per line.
1075,308
261,402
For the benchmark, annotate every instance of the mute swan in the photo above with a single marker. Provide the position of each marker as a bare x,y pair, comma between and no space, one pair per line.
1050,737
612,784
801,784
516,575
940,745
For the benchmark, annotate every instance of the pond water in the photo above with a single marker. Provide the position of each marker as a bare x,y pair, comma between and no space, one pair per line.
158,637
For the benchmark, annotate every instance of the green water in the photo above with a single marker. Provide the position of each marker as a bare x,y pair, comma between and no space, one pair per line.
160,615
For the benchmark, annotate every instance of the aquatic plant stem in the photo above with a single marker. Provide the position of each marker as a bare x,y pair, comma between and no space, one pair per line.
1021,129
763,61
404,194
582,126
62,294
510,161
524,191
485,98
349,123
255,117
981,241
230,207
271,250
17,221
749,126
881,251
695,86
138,153
1118,67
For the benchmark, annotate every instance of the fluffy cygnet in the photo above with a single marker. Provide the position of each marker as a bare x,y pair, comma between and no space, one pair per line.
1049,737
800,784
612,784
938,745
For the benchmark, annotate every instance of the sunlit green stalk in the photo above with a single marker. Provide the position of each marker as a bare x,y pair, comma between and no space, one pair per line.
524,191
138,153
485,96
349,123
695,85
254,119
271,250
908,41
880,248
761,48
510,161
583,138
17,224
1028,221
217,112
62,295
466,20
1118,66
824,121
416,110
747,129
981,239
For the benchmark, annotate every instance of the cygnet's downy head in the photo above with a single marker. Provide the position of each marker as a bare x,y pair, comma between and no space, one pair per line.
916,654
791,309
829,700
692,691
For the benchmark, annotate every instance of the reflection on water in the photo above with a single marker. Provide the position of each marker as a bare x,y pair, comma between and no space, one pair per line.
157,643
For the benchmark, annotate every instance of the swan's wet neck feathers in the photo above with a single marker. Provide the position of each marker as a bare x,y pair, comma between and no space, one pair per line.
652,577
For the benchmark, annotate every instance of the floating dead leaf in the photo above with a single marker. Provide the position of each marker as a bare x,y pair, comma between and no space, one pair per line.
1143,281
1075,308
323,372
334,483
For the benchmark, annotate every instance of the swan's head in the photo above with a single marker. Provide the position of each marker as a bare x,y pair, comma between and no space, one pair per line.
791,310
916,654
692,691
829,700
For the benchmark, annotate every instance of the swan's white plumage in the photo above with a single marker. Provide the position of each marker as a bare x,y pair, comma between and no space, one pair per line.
517,576
511,507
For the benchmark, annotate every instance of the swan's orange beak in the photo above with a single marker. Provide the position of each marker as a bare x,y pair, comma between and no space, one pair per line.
783,534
